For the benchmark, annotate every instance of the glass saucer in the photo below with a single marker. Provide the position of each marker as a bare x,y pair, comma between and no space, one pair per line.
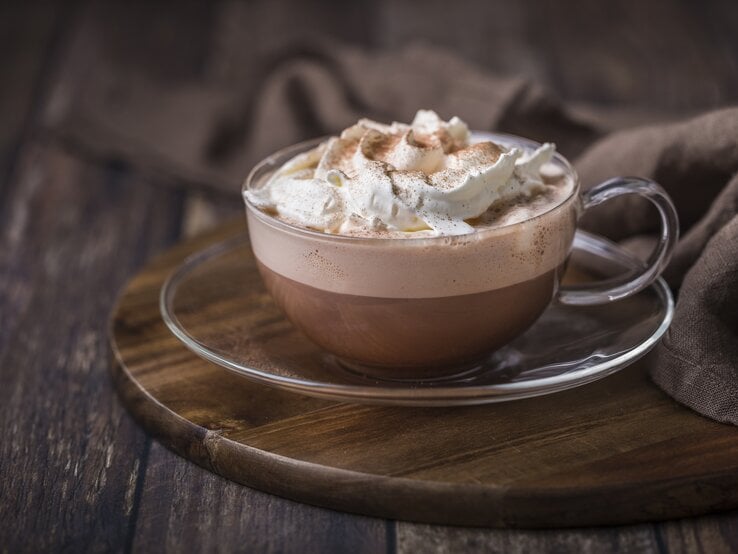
216,305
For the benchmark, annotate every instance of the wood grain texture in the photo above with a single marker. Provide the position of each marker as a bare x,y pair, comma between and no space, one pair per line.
649,50
716,533
71,457
664,55
27,32
205,513
542,462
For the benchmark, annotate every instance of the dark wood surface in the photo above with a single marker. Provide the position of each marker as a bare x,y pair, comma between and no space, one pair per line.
542,462
76,472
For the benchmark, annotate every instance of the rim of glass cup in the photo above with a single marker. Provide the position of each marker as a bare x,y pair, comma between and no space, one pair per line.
278,158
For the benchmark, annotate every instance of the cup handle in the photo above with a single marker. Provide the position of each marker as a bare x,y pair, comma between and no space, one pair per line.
627,285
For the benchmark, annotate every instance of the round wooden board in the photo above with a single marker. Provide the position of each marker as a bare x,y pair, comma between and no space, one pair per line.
612,452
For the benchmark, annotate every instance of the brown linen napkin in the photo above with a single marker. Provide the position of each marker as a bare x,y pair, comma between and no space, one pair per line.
697,162
211,134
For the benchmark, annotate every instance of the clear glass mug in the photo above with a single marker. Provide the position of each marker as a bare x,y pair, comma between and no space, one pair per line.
435,306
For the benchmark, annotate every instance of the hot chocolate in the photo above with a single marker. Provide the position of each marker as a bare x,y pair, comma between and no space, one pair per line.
413,250
412,337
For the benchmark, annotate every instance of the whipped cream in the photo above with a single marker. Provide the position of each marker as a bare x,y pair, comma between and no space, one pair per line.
426,176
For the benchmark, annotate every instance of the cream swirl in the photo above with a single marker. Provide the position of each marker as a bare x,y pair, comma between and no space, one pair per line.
424,176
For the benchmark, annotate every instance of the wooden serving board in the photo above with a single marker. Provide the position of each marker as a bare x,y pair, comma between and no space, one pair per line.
612,452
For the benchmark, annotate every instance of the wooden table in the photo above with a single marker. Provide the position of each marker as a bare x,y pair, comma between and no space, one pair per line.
76,473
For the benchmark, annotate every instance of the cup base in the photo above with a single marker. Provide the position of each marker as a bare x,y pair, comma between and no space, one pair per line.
405,375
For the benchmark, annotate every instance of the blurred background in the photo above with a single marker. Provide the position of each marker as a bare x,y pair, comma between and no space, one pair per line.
158,84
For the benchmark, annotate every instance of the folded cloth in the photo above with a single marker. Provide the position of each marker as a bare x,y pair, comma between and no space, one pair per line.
697,162
208,133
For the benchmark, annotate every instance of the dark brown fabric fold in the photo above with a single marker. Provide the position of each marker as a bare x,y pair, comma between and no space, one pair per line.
697,162
211,132
693,160
697,361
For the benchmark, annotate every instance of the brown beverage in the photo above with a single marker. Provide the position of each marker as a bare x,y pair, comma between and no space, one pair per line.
414,337
414,304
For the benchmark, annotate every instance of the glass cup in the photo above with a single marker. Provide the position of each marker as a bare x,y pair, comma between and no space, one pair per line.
418,308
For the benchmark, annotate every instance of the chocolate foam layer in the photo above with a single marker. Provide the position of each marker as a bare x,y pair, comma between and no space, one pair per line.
517,244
